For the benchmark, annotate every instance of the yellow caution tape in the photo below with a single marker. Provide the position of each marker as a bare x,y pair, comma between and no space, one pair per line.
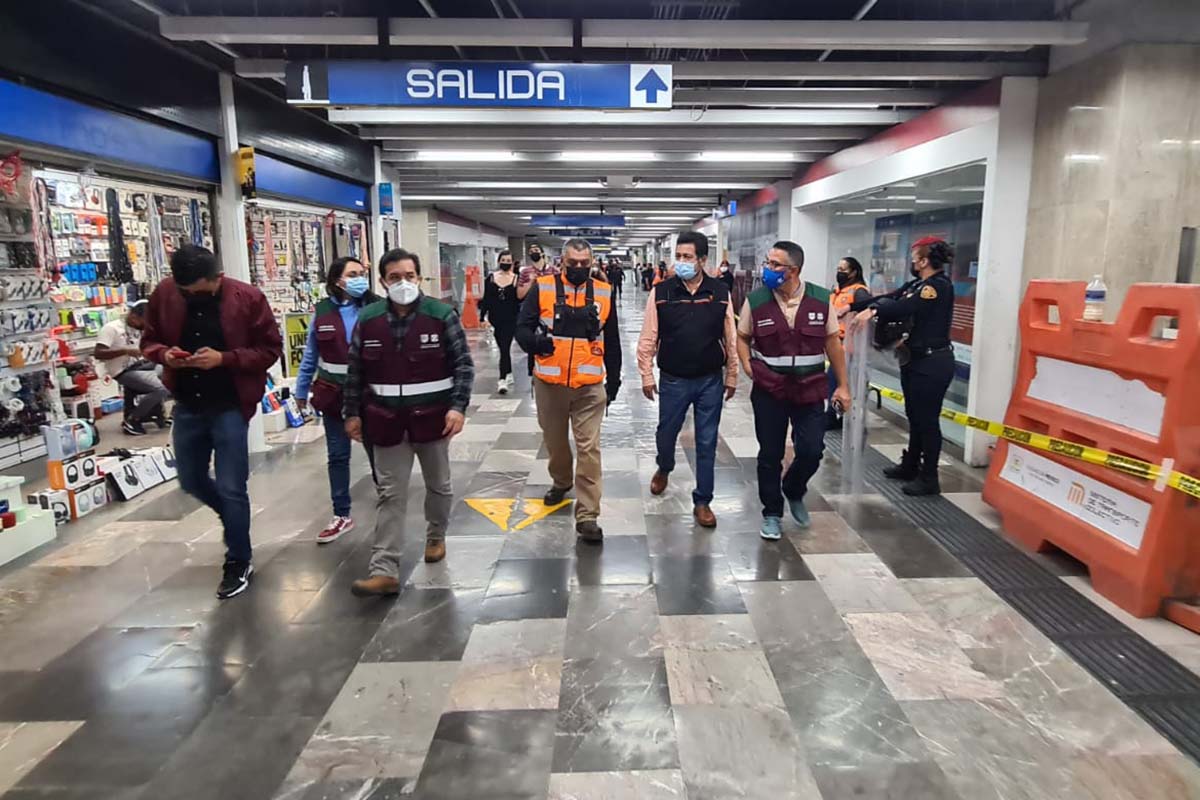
1040,441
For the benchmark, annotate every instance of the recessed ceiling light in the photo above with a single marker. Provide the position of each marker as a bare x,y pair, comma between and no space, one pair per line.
607,155
525,184
466,155
746,155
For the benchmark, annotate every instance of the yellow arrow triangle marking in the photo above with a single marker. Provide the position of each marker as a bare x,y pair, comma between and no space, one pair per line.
535,510
497,509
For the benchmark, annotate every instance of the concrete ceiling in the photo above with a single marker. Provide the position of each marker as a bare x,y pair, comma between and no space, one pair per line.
761,88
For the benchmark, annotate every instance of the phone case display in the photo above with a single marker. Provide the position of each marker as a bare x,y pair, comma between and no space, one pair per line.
112,240
290,248
28,390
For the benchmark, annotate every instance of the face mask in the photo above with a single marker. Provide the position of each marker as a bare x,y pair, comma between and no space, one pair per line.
356,287
915,270
535,257
505,267
773,278
577,275
843,278
685,270
403,293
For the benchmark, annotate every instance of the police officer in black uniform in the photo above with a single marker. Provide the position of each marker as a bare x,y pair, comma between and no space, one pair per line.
926,359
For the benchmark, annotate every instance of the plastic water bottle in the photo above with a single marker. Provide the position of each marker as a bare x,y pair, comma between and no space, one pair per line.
1093,300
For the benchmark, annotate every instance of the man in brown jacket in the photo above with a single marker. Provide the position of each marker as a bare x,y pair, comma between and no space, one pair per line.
216,338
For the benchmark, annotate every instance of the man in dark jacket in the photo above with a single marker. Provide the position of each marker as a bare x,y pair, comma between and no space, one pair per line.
216,338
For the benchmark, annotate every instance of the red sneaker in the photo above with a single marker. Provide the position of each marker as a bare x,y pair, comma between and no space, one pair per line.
334,531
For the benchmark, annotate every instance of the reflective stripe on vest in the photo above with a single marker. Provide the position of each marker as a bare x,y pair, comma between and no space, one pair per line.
789,361
543,369
412,389
590,369
332,369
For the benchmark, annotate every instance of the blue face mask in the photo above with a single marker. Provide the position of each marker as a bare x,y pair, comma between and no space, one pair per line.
356,287
773,278
685,270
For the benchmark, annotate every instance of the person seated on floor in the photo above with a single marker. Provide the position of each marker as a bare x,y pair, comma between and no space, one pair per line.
118,347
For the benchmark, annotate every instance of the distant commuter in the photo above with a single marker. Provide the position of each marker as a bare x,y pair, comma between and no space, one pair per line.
499,307
117,346
216,338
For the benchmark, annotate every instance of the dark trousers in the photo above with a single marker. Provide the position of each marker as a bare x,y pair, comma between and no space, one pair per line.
221,438
924,382
771,419
704,396
504,338
337,448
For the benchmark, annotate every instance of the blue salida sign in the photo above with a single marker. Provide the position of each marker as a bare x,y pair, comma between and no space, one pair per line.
578,221
478,84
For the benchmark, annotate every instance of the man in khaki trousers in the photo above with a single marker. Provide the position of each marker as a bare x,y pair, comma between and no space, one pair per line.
569,324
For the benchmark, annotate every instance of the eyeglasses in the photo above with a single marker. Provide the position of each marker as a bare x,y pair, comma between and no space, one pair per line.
777,265
571,262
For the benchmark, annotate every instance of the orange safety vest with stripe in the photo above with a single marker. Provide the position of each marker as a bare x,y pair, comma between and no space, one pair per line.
577,360
842,297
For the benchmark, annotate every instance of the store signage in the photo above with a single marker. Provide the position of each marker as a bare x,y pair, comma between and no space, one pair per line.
387,203
245,172
578,221
583,233
478,84
295,328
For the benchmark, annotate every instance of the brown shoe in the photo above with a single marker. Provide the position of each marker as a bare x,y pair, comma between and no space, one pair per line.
705,517
589,531
375,586
658,484
435,551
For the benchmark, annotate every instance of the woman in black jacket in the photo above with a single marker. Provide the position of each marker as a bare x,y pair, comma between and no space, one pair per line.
500,304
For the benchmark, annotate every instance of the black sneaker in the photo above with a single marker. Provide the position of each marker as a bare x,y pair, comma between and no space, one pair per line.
555,496
235,580
163,422
589,531
133,428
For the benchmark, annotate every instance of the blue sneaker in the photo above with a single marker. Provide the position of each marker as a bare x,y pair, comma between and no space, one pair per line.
771,529
799,513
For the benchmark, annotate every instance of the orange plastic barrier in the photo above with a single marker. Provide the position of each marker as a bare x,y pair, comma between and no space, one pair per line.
473,294
1105,385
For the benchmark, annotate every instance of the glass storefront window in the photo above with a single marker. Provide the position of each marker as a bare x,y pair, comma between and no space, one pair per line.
879,227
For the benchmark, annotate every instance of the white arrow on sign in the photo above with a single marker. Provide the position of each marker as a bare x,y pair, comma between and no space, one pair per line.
650,86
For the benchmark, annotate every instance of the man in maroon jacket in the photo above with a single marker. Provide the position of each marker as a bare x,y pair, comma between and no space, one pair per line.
216,338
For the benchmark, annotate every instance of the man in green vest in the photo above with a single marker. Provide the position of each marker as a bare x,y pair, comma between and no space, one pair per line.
786,330
408,384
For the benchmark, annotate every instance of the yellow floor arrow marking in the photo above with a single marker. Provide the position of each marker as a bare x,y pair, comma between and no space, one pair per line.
496,509
535,510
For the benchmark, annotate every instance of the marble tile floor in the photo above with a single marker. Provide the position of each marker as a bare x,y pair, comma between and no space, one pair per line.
855,659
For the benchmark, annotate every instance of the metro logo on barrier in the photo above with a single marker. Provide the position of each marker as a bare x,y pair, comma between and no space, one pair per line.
479,84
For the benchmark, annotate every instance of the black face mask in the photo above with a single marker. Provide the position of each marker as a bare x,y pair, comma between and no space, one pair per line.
915,270
535,257
843,278
505,267
578,275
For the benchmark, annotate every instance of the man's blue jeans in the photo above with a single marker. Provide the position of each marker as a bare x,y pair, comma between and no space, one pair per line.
704,396
221,438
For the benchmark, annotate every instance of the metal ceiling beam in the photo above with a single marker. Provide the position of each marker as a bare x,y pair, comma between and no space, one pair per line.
495,116
853,70
623,33
925,35
611,131
260,67
808,98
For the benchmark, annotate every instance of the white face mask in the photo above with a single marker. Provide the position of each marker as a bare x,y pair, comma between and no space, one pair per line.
404,293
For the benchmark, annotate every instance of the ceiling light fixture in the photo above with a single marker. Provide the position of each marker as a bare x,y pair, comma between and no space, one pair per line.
607,155
746,155
466,155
